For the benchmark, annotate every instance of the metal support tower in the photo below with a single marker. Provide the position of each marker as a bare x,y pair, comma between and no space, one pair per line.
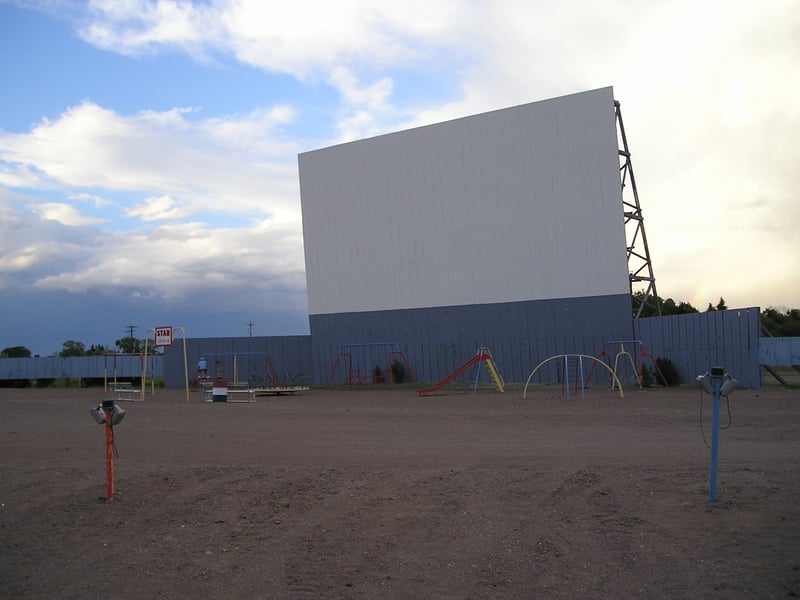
640,268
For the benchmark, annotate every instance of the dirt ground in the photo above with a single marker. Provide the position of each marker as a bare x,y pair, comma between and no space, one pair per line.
383,494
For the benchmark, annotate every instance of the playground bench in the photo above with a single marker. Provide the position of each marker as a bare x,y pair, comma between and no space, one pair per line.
124,390
279,390
241,387
233,388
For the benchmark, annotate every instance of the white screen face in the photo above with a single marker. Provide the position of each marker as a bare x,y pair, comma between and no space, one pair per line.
513,205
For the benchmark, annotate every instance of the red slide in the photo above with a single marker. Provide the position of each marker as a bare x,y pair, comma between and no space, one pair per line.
456,373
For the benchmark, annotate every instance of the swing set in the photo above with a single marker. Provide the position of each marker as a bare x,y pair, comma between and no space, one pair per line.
361,364
623,358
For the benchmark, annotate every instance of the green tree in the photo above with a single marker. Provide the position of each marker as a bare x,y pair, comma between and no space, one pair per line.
684,308
15,352
96,350
720,305
129,345
668,306
779,323
72,348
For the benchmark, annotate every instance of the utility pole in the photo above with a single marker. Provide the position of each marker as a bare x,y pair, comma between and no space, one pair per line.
250,328
131,328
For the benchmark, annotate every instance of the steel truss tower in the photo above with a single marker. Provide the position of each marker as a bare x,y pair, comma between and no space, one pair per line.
640,268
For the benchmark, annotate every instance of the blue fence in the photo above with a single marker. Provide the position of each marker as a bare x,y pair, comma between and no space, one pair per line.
779,351
698,341
78,367
694,343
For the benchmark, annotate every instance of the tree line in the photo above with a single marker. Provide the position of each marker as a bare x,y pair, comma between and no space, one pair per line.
126,345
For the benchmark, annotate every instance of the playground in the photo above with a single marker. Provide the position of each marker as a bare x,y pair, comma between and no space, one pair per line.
377,492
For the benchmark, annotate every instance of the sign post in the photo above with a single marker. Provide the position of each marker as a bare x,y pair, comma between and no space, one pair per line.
163,336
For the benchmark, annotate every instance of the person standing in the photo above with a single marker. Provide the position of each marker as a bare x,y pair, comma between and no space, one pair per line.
202,368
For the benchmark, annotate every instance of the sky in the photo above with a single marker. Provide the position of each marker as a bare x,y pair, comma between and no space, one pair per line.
148,149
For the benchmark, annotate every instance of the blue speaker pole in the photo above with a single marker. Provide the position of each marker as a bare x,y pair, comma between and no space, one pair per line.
716,382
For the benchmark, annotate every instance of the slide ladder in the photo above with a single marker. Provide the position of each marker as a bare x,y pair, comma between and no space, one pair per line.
491,367
484,356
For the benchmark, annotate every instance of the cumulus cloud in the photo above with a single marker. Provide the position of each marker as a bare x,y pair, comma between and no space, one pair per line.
176,263
303,38
157,209
220,163
18,259
141,26
65,214
364,108
172,263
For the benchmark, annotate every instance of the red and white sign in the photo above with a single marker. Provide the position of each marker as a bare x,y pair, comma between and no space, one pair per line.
163,336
